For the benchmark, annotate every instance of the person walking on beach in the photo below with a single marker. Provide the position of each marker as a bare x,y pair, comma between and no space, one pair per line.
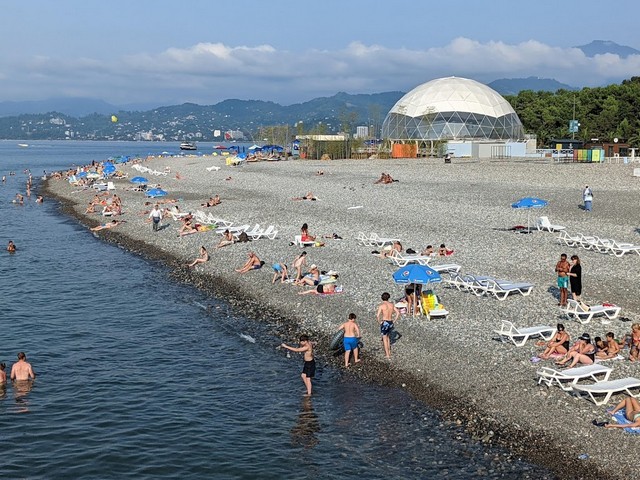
562,270
587,197
575,277
309,366
155,215
22,370
350,341
387,313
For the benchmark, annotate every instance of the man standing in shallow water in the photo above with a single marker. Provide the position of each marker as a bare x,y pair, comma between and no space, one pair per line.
309,367
22,371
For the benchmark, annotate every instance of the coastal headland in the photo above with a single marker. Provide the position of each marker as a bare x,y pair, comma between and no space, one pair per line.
455,365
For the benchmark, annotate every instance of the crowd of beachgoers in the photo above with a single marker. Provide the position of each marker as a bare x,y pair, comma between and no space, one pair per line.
317,241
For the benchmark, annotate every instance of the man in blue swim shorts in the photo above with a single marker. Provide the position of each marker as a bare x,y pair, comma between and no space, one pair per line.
350,341
387,313
562,269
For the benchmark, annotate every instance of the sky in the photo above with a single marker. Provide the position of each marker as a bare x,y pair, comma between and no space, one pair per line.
204,51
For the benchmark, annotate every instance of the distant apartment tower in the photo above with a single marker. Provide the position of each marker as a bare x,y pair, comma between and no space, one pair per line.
233,135
362,132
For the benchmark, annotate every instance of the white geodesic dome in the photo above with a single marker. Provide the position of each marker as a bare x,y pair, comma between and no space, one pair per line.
452,109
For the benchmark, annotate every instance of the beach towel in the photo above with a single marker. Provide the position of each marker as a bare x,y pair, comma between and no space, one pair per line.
622,420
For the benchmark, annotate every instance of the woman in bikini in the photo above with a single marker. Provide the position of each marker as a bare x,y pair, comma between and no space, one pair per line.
582,352
204,257
298,263
558,345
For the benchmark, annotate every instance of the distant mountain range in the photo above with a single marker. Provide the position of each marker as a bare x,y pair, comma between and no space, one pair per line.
600,47
513,86
76,107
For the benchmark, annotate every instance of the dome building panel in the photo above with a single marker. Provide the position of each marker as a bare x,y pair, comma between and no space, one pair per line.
452,109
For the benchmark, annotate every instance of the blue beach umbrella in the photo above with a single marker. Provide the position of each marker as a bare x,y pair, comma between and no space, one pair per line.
109,169
140,180
417,275
414,273
81,174
156,192
529,203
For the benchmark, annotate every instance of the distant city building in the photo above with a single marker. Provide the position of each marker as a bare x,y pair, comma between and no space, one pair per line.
216,133
362,132
234,135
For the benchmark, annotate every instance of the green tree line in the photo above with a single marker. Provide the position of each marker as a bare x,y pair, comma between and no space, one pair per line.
604,113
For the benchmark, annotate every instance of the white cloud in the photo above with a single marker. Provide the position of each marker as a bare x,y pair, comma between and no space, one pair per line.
210,72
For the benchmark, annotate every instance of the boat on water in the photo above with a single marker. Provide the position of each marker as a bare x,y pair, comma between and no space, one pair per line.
188,146
23,145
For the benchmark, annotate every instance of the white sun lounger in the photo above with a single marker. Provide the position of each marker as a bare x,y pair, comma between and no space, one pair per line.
237,230
510,332
608,388
568,239
544,224
576,311
270,232
456,280
619,249
297,240
567,379
502,288
382,241
446,268
403,260
363,239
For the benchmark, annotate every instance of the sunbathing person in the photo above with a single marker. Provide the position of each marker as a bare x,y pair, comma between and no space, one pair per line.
312,278
558,344
204,257
320,289
111,224
304,231
91,208
308,196
212,202
634,342
187,228
631,412
253,263
385,178
227,239
391,250
443,251
608,348
428,252
582,352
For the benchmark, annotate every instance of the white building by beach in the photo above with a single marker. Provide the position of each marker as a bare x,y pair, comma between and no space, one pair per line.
362,132
462,112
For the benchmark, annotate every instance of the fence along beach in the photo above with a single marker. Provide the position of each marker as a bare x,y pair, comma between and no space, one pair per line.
455,365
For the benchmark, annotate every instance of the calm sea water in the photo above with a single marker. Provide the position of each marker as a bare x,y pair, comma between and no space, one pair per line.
142,377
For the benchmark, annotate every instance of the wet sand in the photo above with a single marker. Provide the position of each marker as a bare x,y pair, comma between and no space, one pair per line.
455,365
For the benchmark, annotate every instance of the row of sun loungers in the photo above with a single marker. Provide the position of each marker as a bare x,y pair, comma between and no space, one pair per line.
598,244
483,285
143,169
568,380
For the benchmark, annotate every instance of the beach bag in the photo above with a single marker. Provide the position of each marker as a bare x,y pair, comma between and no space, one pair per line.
243,237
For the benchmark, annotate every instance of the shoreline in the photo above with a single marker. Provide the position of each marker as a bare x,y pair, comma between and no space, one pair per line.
485,418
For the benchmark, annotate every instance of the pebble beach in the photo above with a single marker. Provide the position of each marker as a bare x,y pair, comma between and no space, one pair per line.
456,365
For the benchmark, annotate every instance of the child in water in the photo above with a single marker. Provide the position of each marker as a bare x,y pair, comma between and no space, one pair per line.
309,367
3,374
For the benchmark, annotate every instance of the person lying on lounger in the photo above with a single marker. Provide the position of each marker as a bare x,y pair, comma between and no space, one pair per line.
391,250
253,263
